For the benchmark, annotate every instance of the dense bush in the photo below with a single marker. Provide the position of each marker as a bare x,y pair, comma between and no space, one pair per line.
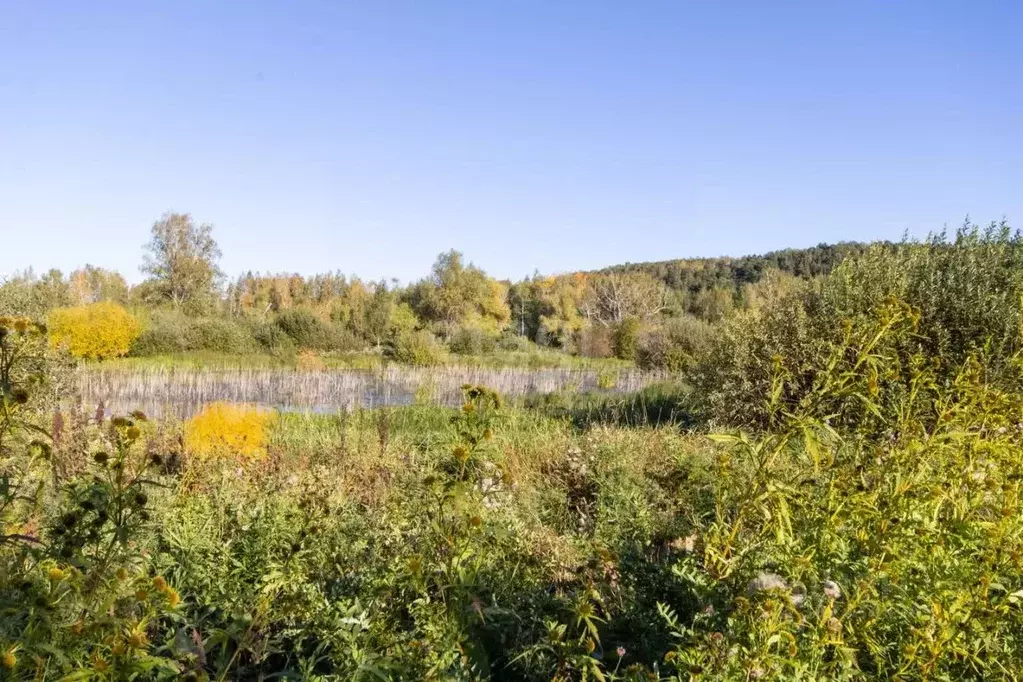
967,290
163,334
274,340
677,346
95,332
218,334
306,330
595,341
625,338
417,348
170,332
472,341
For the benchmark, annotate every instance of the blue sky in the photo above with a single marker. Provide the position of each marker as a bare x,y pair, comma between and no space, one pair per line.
367,137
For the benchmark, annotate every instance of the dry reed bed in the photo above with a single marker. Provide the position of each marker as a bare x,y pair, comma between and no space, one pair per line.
180,392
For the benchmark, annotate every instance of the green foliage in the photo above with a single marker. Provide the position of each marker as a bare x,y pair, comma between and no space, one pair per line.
169,332
306,330
458,294
274,340
625,339
873,533
417,348
967,290
677,346
74,591
27,295
181,261
471,341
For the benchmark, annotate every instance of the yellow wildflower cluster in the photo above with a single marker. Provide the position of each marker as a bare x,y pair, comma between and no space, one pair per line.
229,429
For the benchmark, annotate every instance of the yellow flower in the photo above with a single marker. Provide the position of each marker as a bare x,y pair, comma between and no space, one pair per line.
173,598
122,574
141,595
21,325
461,453
133,432
137,640
117,649
99,664
55,574
488,434
9,660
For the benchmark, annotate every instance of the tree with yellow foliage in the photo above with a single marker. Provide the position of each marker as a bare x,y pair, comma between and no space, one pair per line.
95,331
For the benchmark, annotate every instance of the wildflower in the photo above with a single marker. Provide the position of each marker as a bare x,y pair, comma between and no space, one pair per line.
832,590
468,408
475,521
160,583
9,660
117,649
488,434
141,595
55,574
99,664
20,396
709,610
141,499
100,457
137,640
77,628
620,651
121,573
173,598
21,325
133,432
461,453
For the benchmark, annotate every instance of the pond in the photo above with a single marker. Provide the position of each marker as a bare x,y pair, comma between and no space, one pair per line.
181,393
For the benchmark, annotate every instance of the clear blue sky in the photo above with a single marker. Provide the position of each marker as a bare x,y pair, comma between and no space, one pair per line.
369,136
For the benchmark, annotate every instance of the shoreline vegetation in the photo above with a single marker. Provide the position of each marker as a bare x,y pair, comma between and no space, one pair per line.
821,483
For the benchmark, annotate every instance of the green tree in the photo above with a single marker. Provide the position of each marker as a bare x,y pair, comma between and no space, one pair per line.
181,261
457,294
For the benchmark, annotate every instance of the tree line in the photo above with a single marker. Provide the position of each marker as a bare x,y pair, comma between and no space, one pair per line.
632,311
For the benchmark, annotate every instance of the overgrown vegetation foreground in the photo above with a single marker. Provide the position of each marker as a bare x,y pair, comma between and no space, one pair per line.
840,501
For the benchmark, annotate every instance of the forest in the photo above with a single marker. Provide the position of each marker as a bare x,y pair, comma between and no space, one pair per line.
820,480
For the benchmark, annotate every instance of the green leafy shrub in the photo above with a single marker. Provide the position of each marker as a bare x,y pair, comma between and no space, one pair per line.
306,330
678,345
274,340
218,334
163,334
418,348
472,341
873,533
625,338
